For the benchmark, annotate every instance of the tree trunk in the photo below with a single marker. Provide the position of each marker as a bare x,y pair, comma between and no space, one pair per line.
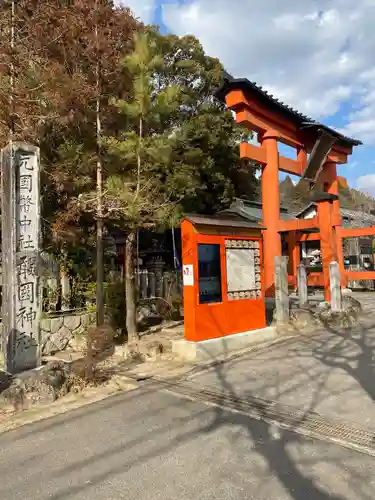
99,271
99,198
99,239
139,158
130,291
99,232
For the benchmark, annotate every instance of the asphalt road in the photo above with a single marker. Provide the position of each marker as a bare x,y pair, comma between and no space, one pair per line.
149,445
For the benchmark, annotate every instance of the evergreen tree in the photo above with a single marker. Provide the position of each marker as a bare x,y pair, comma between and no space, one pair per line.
169,145
142,189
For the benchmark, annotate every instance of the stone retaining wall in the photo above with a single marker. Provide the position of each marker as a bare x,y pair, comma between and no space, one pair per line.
57,331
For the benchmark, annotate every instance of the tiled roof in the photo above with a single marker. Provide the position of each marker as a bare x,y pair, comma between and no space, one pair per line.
252,210
220,220
350,218
301,120
355,218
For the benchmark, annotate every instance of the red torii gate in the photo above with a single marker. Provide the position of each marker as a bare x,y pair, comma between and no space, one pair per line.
319,149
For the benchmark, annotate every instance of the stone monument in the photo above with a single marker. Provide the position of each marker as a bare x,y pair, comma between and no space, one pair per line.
281,290
335,286
21,301
302,285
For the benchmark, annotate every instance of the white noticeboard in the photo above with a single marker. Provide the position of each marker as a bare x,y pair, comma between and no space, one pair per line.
188,275
240,270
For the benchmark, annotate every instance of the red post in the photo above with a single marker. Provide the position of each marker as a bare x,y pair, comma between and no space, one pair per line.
332,187
294,253
271,209
191,293
328,245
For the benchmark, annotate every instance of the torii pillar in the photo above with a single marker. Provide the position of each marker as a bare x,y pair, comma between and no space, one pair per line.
270,208
328,237
330,182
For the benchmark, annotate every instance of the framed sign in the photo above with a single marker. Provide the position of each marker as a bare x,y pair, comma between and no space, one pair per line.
243,269
188,275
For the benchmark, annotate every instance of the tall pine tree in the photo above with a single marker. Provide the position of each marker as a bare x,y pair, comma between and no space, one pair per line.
143,189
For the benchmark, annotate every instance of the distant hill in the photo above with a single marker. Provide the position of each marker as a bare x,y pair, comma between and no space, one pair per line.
297,196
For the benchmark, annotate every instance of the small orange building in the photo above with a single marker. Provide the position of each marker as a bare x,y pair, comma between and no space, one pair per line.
222,276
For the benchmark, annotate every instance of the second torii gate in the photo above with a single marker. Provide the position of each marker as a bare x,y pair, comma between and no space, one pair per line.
319,149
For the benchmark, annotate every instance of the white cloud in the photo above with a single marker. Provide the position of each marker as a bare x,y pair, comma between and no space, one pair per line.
142,9
366,183
313,54
362,120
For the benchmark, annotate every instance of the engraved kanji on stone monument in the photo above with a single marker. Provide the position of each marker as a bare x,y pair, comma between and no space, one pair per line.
20,249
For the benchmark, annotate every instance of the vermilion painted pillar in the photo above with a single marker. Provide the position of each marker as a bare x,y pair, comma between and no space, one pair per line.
332,187
327,242
191,293
271,210
294,253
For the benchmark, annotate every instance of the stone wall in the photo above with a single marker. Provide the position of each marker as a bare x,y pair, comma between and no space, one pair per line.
58,330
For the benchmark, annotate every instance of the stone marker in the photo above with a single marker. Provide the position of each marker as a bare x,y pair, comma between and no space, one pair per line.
21,302
65,291
302,285
281,290
335,286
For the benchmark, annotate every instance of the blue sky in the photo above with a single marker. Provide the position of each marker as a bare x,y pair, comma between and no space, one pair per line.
316,55
158,16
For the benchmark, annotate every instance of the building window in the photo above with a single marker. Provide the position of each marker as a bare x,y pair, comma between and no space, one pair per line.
209,270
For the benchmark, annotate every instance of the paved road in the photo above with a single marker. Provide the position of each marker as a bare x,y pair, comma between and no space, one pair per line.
149,445
328,371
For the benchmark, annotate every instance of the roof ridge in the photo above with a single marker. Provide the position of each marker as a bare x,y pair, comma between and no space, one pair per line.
305,121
